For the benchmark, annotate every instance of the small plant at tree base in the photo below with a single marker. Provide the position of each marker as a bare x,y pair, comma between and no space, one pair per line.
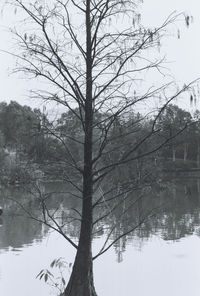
56,281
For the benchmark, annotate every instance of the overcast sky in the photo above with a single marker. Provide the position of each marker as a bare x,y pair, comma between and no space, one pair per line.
183,54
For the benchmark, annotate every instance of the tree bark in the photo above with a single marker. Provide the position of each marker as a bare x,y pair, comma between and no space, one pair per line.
81,280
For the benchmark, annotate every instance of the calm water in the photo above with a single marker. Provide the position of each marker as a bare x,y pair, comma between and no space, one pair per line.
161,258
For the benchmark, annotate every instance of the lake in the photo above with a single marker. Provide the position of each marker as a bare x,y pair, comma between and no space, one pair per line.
161,257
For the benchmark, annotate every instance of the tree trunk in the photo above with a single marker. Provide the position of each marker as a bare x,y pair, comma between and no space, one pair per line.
198,155
173,154
81,280
80,284
185,152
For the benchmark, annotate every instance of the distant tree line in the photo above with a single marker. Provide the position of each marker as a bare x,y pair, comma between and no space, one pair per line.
30,134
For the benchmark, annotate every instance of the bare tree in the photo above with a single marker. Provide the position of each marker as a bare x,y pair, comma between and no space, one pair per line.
93,55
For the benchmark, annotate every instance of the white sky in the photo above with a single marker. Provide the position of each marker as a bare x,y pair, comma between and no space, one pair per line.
183,54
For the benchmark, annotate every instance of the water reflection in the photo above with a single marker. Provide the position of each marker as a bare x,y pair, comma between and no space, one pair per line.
174,214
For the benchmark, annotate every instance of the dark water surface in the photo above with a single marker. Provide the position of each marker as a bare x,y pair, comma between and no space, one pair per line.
162,257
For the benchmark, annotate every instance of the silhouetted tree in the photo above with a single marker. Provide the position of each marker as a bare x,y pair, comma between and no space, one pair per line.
92,54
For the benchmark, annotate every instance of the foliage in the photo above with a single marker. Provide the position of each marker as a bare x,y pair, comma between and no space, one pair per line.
36,141
57,282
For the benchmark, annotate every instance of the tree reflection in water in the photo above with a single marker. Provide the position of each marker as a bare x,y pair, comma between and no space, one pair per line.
174,213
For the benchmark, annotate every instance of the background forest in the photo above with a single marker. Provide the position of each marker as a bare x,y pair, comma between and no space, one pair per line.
32,139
